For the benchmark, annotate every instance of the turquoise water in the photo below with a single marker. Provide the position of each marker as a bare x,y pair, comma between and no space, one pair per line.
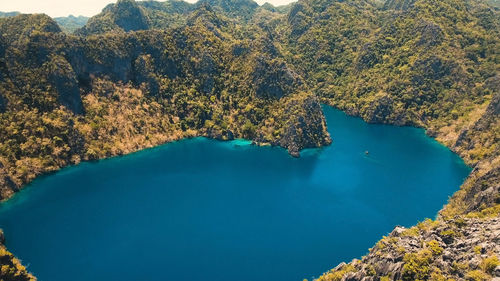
202,209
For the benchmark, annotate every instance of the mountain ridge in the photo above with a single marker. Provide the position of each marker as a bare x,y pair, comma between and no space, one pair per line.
189,70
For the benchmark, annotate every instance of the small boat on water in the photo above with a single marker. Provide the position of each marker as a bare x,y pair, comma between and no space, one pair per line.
367,152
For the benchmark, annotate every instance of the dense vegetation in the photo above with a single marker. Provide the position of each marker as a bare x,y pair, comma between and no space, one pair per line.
433,64
67,99
128,15
141,74
422,63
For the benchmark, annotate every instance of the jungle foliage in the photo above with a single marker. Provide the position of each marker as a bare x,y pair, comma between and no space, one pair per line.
144,73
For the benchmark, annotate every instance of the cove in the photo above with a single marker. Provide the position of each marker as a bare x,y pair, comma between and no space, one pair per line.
202,209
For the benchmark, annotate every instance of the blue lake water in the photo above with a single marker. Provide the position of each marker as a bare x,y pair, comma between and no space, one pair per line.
202,209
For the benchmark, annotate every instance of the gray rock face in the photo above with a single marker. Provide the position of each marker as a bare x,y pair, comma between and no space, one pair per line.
129,16
482,194
473,241
497,271
467,139
63,78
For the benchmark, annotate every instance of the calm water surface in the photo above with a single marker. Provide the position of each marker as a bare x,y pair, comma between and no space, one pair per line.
201,209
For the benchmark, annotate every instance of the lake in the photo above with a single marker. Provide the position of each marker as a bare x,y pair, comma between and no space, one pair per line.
203,209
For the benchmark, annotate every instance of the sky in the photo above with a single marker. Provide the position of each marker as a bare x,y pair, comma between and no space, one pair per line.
62,8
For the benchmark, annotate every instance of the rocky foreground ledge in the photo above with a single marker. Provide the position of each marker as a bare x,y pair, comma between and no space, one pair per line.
457,249
463,243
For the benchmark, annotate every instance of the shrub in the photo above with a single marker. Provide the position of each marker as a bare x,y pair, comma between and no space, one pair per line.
476,275
416,265
434,247
488,264
370,270
478,249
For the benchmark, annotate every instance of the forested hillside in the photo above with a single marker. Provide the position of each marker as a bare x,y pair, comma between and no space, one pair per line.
66,99
432,64
144,73
127,15
421,63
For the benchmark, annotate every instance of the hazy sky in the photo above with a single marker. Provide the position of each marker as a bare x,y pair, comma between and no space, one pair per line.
61,8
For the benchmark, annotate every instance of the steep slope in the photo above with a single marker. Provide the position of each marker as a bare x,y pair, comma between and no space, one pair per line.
125,15
432,64
171,70
66,99
457,249
416,68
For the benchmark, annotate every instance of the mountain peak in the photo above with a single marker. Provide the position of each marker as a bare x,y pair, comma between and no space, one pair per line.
129,16
206,14
25,24
124,15
234,8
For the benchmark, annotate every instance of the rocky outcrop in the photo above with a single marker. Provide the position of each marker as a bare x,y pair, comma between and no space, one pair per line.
129,16
183,82
63,78
32,45
461,249
484,192
304,124
482,137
